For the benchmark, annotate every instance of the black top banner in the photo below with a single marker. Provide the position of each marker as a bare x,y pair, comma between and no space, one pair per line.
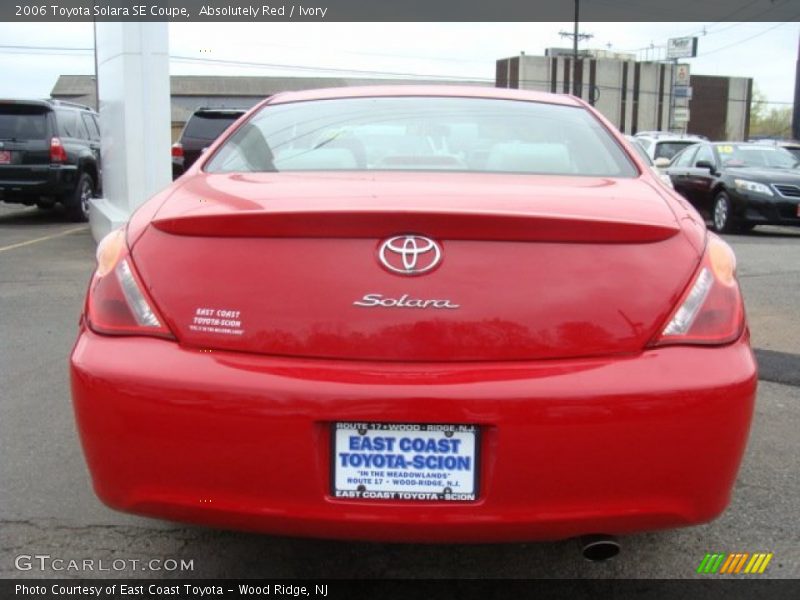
399,10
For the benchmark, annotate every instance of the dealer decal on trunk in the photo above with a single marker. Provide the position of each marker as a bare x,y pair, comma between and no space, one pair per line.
222,321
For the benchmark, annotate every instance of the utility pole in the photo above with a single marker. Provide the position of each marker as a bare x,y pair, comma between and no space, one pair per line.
96,78
671,117
576,37
796,107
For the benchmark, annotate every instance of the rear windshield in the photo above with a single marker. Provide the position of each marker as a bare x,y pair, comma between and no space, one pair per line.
641,151
21,122
794,151
208,126
670,149
424,134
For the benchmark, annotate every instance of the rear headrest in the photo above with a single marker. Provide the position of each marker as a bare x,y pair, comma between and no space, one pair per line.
529,158
322,159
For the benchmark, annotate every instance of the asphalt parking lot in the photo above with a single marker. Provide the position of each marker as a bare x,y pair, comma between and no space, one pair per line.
47,505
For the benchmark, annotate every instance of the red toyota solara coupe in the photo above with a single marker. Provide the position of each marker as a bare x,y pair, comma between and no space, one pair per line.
434,314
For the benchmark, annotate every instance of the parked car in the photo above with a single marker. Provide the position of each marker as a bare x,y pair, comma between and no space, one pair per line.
646,158
655,134
792,146
49,153
739,185
662,148
202,128
416,313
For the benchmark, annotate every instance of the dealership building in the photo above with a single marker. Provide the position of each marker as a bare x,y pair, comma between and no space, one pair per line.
638,96
634,96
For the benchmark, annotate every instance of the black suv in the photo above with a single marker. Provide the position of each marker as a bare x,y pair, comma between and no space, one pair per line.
203,127
49,152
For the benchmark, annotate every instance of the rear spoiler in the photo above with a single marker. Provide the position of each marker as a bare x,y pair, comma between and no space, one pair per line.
471,225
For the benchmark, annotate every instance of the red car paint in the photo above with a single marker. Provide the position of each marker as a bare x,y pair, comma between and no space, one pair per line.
563,284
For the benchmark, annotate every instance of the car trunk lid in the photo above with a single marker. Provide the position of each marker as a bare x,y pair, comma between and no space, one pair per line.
288,264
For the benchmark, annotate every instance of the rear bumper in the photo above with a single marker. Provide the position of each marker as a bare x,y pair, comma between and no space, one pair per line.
177,168
26,183
567,447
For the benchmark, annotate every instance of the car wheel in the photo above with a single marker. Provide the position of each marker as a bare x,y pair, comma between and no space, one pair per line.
721,215
79,202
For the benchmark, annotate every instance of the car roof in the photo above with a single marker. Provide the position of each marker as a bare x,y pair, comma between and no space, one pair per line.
779,143
731,143
741,143
671,138
221,110
43,103
449,91
655,134
47,103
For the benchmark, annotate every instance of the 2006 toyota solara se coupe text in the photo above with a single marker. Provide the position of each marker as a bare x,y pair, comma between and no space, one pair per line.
416,314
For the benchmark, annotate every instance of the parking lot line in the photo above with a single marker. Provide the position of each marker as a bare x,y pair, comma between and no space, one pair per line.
44,238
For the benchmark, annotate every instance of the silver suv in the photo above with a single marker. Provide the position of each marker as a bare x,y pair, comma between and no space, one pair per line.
661,147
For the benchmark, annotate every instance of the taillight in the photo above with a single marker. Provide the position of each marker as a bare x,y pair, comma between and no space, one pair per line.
177,150
711,311
57,152
117,303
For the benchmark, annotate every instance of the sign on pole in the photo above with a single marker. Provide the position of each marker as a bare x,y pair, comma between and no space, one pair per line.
680,115
681,75
685,47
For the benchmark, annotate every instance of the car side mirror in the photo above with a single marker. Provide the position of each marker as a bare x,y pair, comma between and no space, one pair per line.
661,162
705,164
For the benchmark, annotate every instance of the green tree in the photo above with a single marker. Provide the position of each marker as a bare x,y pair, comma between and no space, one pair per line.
769,120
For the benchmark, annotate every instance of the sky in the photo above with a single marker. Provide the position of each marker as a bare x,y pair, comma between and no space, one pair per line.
765,51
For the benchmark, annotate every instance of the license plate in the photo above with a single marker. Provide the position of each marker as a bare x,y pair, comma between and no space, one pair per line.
5,157
395,461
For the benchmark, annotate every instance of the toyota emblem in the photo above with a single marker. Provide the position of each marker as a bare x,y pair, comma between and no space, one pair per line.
410,254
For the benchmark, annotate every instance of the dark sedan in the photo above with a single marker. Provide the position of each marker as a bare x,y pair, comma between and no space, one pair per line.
739,185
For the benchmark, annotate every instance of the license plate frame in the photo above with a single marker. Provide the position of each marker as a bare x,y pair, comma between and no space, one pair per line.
448,471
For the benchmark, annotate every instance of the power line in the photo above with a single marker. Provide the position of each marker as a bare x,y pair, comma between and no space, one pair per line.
48,48
704,31
715,50
727,18
29,53
192,59
386,74
465,79
787,103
